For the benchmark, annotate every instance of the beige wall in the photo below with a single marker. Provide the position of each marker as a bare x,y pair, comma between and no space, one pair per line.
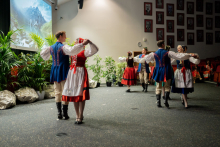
116,26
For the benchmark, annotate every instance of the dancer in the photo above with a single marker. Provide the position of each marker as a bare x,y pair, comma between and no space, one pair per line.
143,70
163,88
196,74
208,70
129,76
183,80
76,88
60,67
162,72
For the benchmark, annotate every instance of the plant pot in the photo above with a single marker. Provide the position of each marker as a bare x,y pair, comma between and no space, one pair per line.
108,84
41,94
98,85
119,84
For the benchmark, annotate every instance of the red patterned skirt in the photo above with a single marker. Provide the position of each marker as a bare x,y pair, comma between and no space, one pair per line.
129,76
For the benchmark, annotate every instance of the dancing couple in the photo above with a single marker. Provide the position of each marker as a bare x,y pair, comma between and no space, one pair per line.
71,83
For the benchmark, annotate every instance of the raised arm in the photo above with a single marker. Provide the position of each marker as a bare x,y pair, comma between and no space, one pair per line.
45,53
139,60
179,56
92,50
148,58
72,50
195,60
122,59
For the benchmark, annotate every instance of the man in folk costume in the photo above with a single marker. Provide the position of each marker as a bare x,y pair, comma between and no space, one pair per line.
76,88
60,67
162,71
143,70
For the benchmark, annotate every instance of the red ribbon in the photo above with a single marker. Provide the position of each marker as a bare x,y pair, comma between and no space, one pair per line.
183,70
73,67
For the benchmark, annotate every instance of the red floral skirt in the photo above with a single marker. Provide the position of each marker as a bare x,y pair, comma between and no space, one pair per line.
129,76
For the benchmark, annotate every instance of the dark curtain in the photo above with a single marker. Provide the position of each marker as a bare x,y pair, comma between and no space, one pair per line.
4,16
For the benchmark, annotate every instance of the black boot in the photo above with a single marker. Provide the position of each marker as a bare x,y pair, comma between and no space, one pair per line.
143,85
65,110
167,95
146,86
163,97
59,105
158,100
128,90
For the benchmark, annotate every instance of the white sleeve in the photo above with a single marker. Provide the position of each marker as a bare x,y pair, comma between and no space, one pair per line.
178,56
172,60
148,58
45,53
139,60
91,51
137,56
72,50
194,60
122,59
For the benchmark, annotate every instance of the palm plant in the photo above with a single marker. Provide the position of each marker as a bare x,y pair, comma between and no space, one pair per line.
7,60
38,41
51,39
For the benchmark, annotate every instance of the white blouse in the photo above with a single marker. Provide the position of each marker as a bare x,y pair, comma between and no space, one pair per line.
68,50
123,59
171,54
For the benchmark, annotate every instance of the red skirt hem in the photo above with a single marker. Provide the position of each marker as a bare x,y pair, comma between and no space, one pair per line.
74,98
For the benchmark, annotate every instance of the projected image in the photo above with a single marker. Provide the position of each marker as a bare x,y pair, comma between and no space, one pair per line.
32,16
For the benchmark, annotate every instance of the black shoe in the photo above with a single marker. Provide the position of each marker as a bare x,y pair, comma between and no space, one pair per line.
143,85
128,90
59,105
158,100
163,97
167,94
146,86
78,121
65,112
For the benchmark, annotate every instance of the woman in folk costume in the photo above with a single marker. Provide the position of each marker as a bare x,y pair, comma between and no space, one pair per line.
76,88
162,71
143,70
60,67
208,70
183,80
195,74
129,76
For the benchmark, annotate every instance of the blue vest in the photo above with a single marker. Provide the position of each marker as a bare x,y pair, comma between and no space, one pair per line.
163,66
186,64
60,66
146,66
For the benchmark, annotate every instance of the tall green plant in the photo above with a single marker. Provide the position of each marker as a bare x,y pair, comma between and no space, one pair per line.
120,70
7,60
37,40
97,68
110,69
51,39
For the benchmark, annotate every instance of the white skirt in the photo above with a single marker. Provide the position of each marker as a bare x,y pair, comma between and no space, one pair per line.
179,79
74,82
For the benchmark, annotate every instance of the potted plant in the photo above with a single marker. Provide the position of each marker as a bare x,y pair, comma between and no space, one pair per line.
110,69
119,72
97,69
